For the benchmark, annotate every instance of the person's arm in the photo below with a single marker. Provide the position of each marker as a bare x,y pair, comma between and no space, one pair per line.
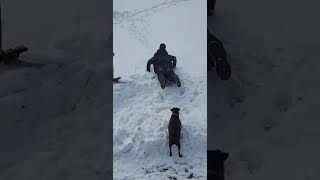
149,64
174,61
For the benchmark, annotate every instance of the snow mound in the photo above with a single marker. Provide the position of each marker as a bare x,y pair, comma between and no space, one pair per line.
140,120
267,115
51,116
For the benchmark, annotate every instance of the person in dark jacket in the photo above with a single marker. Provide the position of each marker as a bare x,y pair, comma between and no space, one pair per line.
163,65
161,51
216,50
210,7
217,57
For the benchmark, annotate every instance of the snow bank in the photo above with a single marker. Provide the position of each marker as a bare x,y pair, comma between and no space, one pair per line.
266,115
141,117
138,32
141,108
55,120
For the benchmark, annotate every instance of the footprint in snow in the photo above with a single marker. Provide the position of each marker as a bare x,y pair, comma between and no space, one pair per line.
196,92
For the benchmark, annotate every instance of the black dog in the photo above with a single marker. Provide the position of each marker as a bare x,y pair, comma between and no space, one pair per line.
210,7
174,129
216,160
217,57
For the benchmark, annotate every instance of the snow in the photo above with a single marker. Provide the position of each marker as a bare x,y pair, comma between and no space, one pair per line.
57,28
266,115
141,109
137,35
55,120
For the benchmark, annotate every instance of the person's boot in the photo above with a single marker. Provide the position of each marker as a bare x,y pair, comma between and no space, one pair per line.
162,81
162,84
178,82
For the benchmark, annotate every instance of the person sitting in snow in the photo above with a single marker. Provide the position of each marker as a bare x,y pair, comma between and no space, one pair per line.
163,65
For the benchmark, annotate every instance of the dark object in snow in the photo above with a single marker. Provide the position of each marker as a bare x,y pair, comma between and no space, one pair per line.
216,159
174,130
11,56
163,65
217,57
161,51
223,69
210,7
172,178
116,80
167,77
190,176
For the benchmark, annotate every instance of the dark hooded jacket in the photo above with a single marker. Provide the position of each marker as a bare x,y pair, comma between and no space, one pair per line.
160,53
215,47
166,62
162,60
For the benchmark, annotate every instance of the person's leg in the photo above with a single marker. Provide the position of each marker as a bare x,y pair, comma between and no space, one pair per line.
162,79
176,78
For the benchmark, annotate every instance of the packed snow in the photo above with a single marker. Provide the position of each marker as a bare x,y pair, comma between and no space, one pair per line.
141,108
56,120
266,116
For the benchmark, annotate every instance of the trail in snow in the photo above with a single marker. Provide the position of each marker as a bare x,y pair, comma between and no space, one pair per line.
136,40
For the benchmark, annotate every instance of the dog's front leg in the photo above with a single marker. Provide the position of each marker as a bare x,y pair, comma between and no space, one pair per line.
179,150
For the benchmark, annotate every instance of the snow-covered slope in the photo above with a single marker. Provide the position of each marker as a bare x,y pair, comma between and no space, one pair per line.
141,107
141,117
57,28
139,31
266,115
55,121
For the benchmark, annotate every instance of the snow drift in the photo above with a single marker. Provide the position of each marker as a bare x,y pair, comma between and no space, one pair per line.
266,116
55,120
141,107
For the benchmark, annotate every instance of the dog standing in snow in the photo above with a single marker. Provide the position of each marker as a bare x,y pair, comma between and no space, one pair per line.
174,128
216,159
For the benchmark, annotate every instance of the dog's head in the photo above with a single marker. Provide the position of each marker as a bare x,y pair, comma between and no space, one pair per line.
175,110
217,156
223,155
216,159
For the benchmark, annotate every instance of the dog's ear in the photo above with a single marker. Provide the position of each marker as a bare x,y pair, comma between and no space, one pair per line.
224,156
175,109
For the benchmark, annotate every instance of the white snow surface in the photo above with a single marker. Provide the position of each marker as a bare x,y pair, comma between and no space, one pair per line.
140,27
141,109
140,128
55,120
271,129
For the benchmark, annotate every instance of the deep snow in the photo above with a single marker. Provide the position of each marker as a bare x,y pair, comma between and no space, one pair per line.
138,33
141,116
56,121
141,107
266,116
